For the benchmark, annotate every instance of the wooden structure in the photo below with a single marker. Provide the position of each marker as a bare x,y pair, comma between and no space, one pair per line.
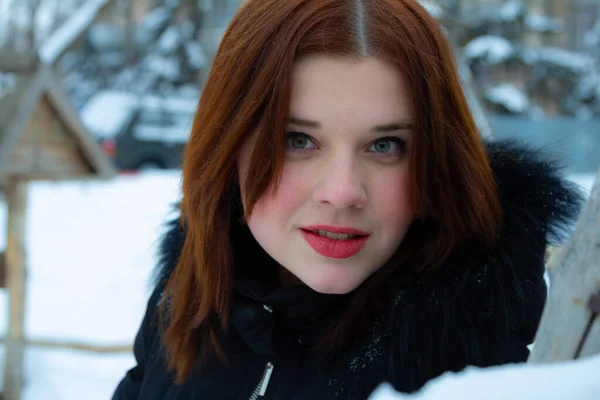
41,138
570,326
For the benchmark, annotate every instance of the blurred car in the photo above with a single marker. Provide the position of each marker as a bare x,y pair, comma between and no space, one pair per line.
140,132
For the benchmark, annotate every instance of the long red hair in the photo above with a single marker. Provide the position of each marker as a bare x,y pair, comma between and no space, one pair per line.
248,91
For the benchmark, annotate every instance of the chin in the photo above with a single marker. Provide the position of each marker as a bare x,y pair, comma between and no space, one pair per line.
332,286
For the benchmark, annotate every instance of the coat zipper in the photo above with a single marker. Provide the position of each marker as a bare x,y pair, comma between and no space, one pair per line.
261,388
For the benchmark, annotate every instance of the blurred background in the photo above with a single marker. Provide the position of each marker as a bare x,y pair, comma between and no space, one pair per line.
96,103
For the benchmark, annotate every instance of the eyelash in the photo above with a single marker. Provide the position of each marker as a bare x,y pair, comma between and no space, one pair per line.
398,141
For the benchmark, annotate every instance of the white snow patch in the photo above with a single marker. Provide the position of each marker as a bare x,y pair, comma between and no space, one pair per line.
576,62
584,181
189,90
509,96
589,87
91,249
432,8
108,112
178,134
167,67
169,40
195,55
68,32
8,83
491,49
151,25
567,380
511,10
543,23
106,37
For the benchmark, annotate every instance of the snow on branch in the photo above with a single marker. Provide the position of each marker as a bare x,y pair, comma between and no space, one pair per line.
577,63
491,49
64,36
508,96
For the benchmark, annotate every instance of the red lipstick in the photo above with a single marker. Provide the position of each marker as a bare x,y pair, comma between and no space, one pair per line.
335,247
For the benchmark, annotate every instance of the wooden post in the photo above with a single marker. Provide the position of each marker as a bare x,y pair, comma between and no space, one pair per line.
16,198
570,328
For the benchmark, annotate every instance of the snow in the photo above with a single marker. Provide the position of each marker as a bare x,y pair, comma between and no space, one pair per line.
584,181
591,38
52,47
8,83
190,91
432,8
167,67
178,134
509,96
151,25
169,40
492,49
172,104
105,37
91,251
108,112
567,380
511,10
576,62
195,55
543,23
589,87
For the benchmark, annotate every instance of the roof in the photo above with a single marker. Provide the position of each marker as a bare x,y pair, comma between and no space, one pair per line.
17,109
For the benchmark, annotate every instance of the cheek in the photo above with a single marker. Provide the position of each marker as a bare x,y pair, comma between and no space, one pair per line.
391,197
279,210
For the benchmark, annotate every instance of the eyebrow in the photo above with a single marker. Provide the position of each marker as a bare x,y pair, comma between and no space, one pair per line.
396,126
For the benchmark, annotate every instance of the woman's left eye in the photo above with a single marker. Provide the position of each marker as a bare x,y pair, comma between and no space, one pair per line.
388,146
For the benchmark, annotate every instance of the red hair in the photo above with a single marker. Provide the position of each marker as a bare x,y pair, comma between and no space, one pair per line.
248,91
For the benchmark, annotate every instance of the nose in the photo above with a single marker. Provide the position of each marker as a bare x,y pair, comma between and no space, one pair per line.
341,185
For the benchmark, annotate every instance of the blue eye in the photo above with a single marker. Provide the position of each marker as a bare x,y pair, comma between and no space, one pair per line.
388,146
299,141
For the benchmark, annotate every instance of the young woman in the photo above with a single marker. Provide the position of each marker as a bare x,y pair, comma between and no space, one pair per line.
342,222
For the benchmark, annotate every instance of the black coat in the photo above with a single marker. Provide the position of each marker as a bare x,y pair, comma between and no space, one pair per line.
481,308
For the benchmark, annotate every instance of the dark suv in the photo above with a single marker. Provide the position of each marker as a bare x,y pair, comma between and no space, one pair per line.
140,132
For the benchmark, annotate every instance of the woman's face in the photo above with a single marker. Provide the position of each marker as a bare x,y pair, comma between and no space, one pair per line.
343,204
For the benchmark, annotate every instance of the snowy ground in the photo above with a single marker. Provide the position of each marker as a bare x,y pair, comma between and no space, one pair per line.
91,252
91,248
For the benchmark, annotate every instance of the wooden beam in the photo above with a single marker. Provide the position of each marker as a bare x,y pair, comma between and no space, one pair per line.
18,62
16,199
80,346
2,271
570,328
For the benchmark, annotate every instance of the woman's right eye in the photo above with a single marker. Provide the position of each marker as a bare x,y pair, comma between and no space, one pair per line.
299,141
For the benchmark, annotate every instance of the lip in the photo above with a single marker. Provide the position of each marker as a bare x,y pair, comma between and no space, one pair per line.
332,248
335,229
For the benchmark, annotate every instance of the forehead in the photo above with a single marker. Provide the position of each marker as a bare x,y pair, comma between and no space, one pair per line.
328,87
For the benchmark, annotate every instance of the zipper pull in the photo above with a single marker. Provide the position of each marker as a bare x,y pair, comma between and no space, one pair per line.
261,388
264,383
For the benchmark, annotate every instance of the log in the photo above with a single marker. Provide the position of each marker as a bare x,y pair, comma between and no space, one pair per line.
79,346
570,327
16,199
18,62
